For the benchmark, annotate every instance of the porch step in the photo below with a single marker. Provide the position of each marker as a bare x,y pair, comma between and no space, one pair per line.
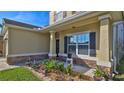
3,66
88,73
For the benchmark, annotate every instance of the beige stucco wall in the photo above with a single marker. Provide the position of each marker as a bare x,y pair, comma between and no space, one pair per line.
22,41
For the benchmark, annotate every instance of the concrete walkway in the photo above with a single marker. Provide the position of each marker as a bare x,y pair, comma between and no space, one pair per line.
4,65
83,69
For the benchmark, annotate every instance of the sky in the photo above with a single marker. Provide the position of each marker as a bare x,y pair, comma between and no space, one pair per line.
38,18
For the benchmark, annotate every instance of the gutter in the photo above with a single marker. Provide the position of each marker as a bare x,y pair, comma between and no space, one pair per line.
23,28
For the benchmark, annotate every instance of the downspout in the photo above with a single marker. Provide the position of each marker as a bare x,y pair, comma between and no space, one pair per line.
114,60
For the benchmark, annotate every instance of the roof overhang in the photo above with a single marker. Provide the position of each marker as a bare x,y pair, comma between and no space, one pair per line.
19,27
6,26
73,19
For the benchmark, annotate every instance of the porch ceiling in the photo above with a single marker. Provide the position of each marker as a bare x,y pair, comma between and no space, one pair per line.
75,25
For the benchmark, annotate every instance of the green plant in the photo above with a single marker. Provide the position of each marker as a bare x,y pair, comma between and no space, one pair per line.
98,72
68,69
81,75
60,66
50,64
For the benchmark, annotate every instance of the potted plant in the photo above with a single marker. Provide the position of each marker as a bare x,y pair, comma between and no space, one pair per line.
99,74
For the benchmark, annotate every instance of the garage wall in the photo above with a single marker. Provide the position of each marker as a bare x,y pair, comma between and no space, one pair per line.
24,42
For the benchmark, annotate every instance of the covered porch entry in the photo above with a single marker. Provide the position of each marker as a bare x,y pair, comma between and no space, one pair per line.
87,38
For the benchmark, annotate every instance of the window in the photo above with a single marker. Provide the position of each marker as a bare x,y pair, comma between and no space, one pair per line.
64,14
73,12
81,44
78,44
58,16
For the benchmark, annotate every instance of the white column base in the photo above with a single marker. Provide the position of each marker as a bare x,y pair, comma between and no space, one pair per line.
104,63
52,55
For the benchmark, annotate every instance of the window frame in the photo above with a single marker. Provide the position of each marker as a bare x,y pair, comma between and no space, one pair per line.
56,18
77,44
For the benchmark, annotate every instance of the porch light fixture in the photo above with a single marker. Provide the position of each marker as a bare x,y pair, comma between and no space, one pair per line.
73,27
6,38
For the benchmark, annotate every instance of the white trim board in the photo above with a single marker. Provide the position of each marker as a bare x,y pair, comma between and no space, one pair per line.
27,54
51,55
104,63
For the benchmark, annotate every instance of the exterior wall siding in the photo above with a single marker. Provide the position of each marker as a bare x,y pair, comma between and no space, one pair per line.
21,42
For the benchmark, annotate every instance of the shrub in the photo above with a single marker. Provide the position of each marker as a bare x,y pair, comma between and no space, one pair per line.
98,72
50,64
68,69
60,66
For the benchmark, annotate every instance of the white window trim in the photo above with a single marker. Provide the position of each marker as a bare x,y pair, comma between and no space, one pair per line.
58,19
78,33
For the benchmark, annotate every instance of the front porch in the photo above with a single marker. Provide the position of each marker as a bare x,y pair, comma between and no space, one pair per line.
88,40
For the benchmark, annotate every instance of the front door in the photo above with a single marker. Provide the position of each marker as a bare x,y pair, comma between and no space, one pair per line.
57,47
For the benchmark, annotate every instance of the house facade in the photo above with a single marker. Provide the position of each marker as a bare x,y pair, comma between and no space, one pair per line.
94,38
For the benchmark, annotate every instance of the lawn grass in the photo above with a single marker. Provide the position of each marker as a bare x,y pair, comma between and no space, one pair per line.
18,74
120,69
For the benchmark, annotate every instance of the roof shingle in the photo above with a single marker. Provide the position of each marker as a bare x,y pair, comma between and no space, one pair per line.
21,24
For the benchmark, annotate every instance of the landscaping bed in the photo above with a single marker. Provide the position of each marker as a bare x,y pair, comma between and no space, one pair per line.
53,70
18,74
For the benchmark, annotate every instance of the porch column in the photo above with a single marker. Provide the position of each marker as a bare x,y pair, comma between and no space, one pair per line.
104,53
52,51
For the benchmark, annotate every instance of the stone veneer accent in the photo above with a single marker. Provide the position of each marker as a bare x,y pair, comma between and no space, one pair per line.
23,59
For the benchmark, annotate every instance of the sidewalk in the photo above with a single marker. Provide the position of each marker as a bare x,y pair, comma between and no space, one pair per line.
4,65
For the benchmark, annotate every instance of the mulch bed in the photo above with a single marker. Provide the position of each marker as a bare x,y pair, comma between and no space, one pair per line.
56,75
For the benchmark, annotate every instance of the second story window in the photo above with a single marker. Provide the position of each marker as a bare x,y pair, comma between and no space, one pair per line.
58,16
64,14
73,12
